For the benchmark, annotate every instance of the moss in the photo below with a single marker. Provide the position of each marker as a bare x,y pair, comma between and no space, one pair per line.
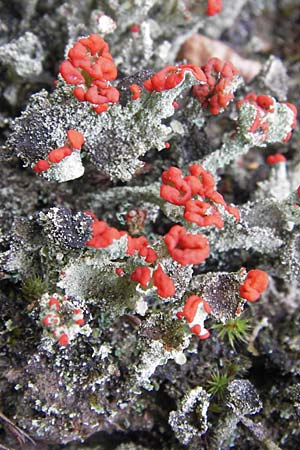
217,384
173,333
234,330
33,288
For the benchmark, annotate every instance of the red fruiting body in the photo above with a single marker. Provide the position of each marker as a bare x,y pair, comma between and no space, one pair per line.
163,283
275,159
101,93
119,271
63,340
264,104
136,90
174,188
167,145
170,76
90,67
141,275
57,154
295,112
233,211
41,166
213,7
215,94
102,234
51,320
75,138
96,44
203,214
135,29
101,108
200,181
191,306
78,316
255,283
294,123
186,248
216,197
189,312
79,322
135,244
104,239
70,74
149,254
179,190
79,93
67,151
54,303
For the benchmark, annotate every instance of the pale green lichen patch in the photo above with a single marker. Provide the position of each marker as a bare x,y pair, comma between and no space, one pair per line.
193,405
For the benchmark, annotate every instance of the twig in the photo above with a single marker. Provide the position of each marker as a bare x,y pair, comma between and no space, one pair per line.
19,434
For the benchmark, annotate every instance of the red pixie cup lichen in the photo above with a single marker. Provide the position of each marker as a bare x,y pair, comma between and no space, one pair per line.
178,190
101,93
96,44
78,317
294,122
90,67
51,320
163,283
141,275
149,254
254,285
275,159
119,271
203,214
102,235
201,181
170,76
41,166
70,74
54,303
135,29
64,340
190,308
76,139
186,248
135,244
213,7
136,90
266,102
195,311
57,154
216,94
174,188
265,105
233,211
